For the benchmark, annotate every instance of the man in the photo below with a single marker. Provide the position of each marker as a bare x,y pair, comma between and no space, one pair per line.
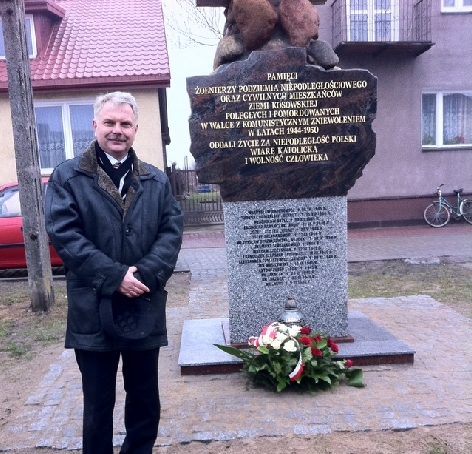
118,230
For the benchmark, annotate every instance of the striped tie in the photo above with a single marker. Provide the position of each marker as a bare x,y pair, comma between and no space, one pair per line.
116,165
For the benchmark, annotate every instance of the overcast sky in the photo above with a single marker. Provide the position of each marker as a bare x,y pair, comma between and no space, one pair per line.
192,61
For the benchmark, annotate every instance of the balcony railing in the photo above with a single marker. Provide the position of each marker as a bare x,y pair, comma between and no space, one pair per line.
376,26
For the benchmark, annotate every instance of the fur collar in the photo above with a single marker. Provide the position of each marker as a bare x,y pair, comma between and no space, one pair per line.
88,163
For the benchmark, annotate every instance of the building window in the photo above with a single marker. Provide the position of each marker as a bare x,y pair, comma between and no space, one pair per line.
456,6
64,130
447,119
372,20
30,38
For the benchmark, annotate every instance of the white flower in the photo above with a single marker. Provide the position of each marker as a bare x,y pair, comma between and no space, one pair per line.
276,344
294,330
281,337
290,346
282,328
266,340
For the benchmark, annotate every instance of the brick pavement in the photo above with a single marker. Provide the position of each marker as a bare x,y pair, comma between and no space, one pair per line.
434,390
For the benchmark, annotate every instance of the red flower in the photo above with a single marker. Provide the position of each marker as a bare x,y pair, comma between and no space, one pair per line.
305,330
305,340
316,352
349,363
333,346
317,339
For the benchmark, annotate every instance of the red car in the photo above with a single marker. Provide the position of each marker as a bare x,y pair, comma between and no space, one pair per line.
12,243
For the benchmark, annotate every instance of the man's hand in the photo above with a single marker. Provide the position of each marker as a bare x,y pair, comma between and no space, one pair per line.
130,286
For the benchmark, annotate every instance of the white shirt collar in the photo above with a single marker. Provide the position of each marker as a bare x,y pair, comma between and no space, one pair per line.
112,159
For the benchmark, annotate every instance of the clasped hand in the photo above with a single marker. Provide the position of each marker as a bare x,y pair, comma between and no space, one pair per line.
130,286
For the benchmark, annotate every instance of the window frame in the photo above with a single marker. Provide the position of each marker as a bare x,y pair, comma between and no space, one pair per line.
66,122
458,7
31,34
372,13
439,120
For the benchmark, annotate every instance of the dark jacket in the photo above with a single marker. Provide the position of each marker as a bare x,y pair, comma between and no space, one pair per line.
98,236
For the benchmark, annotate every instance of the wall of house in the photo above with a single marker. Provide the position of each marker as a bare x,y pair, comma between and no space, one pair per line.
7,151
400,168
148,143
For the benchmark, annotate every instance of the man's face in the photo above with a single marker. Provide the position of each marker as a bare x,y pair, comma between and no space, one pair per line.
115,129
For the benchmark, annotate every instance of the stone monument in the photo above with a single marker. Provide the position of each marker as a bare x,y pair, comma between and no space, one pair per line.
285,134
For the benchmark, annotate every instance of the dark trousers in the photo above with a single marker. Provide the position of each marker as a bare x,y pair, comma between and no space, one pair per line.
142,406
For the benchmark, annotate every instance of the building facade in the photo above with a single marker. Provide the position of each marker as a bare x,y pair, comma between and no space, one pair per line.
79,49
417,50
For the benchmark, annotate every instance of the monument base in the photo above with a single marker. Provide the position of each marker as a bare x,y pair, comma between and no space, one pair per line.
373,345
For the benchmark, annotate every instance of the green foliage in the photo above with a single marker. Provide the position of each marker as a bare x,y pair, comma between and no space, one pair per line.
17,349
23,333
6,328
438,448
296,358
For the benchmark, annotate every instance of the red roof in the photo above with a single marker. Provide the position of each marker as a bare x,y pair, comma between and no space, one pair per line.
102,42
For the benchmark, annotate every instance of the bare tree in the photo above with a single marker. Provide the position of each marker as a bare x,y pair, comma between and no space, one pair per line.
26,153
187,24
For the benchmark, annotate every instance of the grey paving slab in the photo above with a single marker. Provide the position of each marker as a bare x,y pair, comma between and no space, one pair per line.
199,337
197,343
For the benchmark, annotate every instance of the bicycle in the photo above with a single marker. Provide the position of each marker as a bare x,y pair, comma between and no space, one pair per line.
438,213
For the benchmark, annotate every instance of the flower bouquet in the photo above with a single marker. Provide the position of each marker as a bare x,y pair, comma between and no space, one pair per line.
294,356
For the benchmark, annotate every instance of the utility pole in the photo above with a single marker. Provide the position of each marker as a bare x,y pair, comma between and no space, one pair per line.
26,154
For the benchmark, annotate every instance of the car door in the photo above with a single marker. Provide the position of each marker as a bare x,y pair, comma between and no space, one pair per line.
12,245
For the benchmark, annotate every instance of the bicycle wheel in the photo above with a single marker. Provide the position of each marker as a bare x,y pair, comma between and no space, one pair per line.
466,210
436,215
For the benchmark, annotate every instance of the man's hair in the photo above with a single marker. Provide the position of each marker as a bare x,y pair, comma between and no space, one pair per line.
117,98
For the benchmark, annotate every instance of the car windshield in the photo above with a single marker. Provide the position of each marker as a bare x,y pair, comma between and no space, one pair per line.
10,203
